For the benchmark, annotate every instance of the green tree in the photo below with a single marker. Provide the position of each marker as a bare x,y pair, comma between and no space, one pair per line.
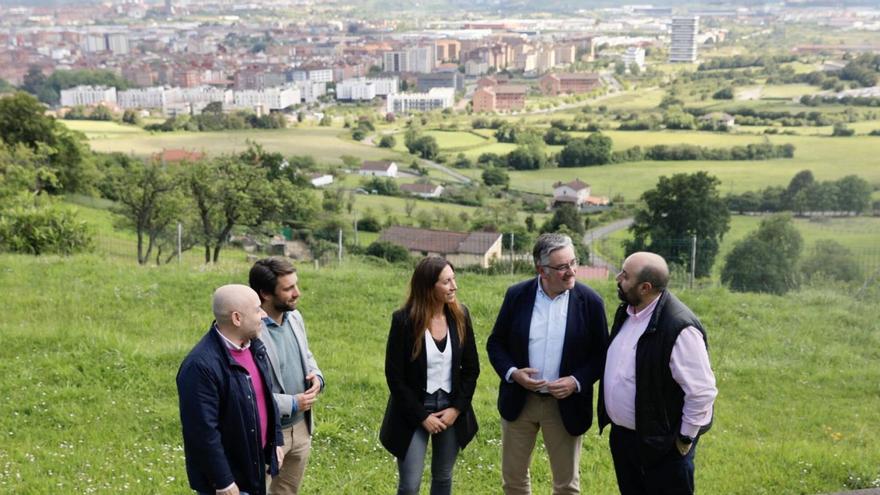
496,177
854,194
149,200
22,120
565,215
228,192
678,208
388,251
387,141
766,259
594,150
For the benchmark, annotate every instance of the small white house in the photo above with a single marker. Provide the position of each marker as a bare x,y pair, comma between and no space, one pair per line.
575,192
382,168
423,190
320,179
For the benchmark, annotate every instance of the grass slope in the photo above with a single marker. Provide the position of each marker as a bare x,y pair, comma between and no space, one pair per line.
92,346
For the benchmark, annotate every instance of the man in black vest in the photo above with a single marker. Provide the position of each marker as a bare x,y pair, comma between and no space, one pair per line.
658,388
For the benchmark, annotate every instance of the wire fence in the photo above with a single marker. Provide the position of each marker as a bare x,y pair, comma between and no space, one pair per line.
854,260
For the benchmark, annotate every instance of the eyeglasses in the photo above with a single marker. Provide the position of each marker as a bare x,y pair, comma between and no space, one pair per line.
571,265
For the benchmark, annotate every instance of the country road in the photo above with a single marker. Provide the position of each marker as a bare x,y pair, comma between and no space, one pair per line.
598,233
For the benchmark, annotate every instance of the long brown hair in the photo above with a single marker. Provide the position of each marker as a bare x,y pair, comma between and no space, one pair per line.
422,300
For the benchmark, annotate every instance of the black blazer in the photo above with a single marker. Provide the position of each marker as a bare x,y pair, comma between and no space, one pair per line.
407,380
583,352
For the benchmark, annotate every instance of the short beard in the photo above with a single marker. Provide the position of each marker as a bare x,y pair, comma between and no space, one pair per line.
282,306
624,297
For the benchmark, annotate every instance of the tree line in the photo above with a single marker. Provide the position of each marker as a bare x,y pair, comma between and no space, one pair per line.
847,195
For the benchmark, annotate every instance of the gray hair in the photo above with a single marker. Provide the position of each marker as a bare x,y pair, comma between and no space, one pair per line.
546,244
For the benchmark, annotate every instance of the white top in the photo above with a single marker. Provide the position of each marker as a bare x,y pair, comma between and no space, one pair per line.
439,364
689,364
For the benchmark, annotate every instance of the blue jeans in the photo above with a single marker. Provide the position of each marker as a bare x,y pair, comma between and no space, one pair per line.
445,446
671,475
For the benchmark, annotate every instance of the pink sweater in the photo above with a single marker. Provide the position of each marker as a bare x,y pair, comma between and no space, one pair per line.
246,359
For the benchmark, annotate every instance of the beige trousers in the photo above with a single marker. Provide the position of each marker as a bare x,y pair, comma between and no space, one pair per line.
518,441
297,445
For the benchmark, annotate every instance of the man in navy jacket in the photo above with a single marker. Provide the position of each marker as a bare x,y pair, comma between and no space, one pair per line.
231,429
548,348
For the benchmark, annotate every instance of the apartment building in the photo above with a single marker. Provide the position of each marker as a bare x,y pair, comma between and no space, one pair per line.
569,83
499,98
436,98
683,39
88,95
267,99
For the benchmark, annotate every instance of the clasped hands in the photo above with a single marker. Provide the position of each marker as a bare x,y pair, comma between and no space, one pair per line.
440,420
559,388
305,400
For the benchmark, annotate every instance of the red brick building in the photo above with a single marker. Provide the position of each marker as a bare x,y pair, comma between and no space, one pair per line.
555,84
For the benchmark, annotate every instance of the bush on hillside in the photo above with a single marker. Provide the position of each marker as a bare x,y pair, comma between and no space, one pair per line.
388,251
765,260
42,229
831,260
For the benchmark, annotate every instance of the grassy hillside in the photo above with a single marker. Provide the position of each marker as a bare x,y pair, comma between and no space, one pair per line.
92,345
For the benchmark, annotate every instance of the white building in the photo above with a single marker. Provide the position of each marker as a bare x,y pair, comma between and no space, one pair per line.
88,95
314,75
414,59
268,99
154,97
202,95
396,61
94,42
475,68
386,86
355,89
320,179
310,91
421,102
118,43
683,46
635,56
378,169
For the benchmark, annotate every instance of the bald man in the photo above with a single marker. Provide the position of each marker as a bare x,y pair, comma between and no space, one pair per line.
658,389
231,427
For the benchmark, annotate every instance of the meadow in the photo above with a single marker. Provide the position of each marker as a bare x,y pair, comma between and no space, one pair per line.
861,235
326,144
93,344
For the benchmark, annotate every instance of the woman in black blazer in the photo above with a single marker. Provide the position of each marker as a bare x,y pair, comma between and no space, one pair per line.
431,367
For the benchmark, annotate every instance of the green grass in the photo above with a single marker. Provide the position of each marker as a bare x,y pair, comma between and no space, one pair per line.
326,144
861,235
828,158
92,346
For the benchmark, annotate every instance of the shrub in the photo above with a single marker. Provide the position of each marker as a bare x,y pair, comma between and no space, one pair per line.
43,229
388,251
831,260
387,142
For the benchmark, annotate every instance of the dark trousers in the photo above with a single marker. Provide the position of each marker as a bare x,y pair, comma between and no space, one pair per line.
672,474
445,450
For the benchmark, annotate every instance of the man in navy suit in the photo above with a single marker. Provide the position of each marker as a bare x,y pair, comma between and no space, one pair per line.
548,348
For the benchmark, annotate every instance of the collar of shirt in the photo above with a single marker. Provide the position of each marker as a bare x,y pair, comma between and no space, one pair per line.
644,313
544,294
271,323
230,344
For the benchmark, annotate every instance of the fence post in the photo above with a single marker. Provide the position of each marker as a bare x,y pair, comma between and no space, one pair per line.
339,245
356,243
512,257
693,259
179,241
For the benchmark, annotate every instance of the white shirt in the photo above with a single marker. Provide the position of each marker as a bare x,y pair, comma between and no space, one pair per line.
547,336
439,364
689,364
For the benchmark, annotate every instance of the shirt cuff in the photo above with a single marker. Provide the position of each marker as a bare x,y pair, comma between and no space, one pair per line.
509,373
576,382
689,430
227,488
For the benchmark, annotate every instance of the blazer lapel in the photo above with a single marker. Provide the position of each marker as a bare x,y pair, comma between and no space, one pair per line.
572,322
523,319
272,353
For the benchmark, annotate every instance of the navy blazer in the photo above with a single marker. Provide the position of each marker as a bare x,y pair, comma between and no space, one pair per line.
583,351
407,379
218,413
